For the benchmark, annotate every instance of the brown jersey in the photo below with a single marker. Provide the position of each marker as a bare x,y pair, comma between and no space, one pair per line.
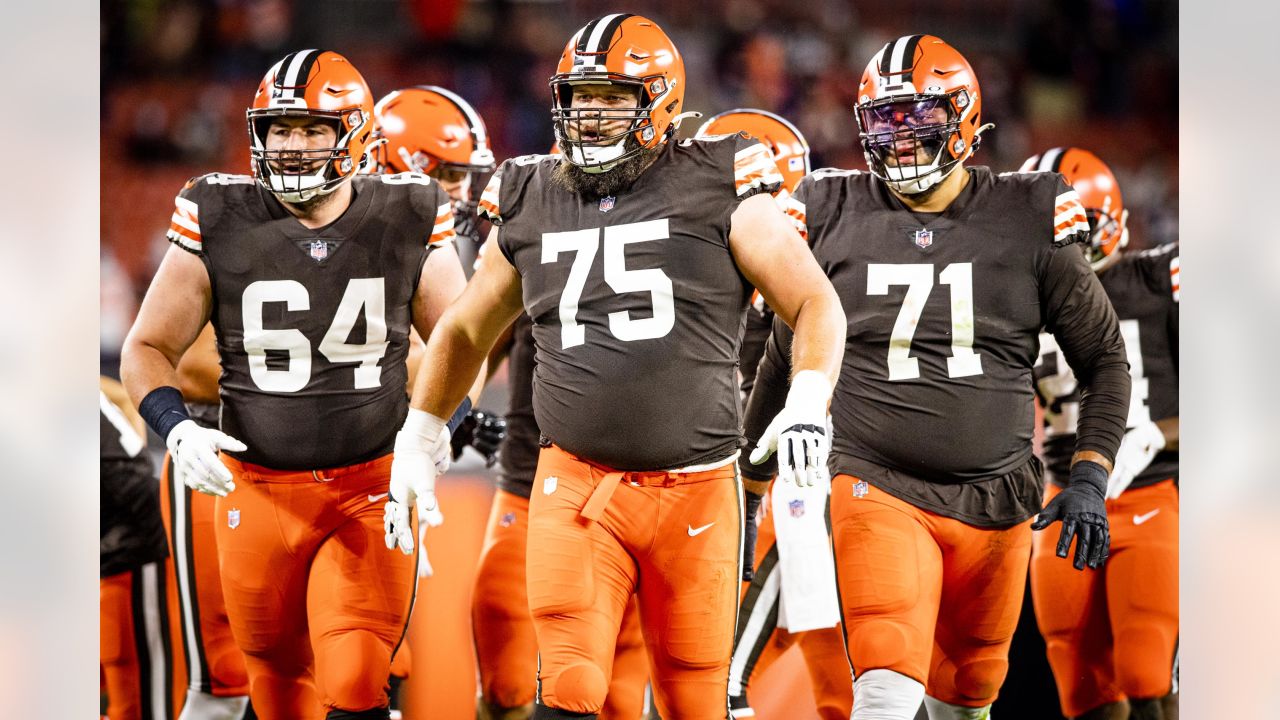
130,532
312,325
636,303
518,458
1144,289
934,403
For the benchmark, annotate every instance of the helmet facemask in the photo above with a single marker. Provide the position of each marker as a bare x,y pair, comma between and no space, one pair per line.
913,142
296,176
582,133
1107,235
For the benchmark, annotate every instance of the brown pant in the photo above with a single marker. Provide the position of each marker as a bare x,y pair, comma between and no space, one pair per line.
214,664
597,536
1113,633
930,597
316,601
506,650
759,641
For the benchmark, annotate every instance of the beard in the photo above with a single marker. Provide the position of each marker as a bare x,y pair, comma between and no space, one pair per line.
594,186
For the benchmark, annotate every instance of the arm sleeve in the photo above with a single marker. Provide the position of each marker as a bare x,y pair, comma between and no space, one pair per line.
1081,318
768,396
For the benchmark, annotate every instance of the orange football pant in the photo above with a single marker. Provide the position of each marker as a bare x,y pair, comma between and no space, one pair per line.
214,664
316,601
759,641
506,649
1113,634
600,535
137,636
930,597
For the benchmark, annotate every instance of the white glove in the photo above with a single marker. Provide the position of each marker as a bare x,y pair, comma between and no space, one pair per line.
413,478
799,433
195,457
1136,452
443,457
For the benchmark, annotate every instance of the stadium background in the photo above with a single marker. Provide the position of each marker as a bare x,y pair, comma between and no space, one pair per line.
176,76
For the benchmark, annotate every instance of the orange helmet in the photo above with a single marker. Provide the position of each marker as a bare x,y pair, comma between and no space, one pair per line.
311,83
626,50
428,129
1099,193
790,149
918,96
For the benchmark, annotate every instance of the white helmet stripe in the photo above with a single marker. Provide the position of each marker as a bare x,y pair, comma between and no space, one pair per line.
290,82
605,23
473,118
1049,160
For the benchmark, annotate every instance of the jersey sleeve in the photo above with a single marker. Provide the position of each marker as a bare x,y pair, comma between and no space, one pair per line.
1070,224
442,232
754,171
184,224
489,206
795,208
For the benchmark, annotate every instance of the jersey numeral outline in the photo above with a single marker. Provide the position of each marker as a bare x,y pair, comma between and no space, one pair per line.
365,296
918,277
585,244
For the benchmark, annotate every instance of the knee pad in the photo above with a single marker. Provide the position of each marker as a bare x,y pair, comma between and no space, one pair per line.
879,643
203,706
980,680
577,689
886,695
939,710
353,669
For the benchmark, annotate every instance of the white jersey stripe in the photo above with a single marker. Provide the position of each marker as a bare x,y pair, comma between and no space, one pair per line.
183,222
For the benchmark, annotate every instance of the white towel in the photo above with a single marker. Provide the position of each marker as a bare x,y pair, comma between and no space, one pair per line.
807,600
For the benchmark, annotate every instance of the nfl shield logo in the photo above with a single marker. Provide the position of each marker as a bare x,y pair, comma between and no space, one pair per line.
507,519
606,204
860,489
797,508
233,518
924,238
320,250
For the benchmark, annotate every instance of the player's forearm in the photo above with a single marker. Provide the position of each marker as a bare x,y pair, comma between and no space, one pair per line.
768,397
819,335
143,368
449,370
1104,408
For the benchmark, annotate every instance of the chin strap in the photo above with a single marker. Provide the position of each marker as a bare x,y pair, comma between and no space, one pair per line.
977,136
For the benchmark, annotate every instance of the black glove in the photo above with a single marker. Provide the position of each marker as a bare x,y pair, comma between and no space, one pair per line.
481,430
1082,508
752,509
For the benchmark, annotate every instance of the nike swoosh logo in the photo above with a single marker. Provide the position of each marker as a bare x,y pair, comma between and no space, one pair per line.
376,498
1139,519
696,531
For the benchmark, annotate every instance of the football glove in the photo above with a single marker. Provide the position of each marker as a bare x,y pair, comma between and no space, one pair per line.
799,432
195,457
413,478
1137,450
1082,508
483,431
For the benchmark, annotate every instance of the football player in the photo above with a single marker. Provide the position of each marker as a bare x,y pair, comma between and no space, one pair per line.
947,275
1112,637
136,595
633,254
501,626
312,274
759,641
